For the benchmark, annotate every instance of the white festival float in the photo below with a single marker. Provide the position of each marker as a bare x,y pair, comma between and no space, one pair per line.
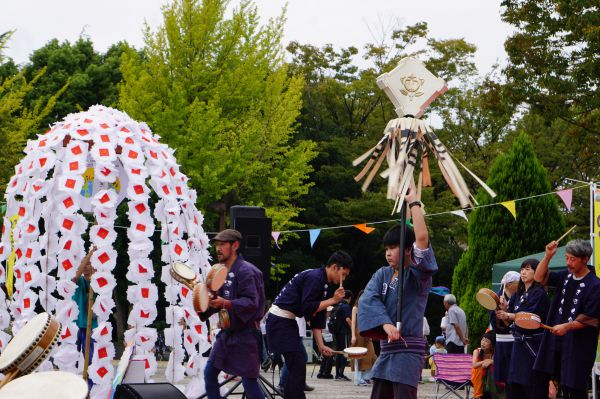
69,185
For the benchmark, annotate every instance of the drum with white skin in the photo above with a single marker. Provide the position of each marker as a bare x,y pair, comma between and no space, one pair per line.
29,347
46,385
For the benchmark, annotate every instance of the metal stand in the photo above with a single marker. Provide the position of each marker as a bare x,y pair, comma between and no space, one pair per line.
263,383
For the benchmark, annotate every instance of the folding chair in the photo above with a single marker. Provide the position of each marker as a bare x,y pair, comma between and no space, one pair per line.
453,371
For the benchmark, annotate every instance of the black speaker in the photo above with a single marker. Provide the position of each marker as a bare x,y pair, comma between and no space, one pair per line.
256,228
161,390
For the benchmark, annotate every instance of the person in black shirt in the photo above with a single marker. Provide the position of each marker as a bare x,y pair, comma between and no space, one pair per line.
341,338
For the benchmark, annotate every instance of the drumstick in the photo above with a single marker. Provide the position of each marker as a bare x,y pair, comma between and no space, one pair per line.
568,231
342,278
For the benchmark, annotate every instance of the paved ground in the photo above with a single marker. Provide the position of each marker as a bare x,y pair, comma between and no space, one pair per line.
327,389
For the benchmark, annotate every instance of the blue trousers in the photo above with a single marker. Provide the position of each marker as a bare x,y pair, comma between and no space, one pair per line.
211,374
285,371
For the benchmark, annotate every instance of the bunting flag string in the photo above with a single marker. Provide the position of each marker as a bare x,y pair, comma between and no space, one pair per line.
566,195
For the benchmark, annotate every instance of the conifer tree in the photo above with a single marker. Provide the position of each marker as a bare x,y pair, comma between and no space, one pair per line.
495,236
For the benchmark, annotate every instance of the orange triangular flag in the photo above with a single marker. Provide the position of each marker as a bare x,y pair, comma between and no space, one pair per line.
364,228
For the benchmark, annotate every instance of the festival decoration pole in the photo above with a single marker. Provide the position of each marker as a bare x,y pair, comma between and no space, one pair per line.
405,142
88,333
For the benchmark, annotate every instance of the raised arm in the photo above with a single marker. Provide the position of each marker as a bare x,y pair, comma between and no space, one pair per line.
541,272
418,220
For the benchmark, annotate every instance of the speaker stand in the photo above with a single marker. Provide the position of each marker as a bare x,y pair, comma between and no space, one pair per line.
263,383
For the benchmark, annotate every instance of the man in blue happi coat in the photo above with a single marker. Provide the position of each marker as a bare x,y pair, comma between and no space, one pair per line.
307,294
236,350
567,352
397,371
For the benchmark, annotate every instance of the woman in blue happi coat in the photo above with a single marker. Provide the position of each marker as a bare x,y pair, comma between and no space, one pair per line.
530,297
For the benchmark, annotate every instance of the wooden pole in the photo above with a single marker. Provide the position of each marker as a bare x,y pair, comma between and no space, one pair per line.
88,333
400,287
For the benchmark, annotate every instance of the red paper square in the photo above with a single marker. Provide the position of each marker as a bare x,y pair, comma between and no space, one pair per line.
68,224
104,258
102,233
178,249
70,183
74,165
105,198
141,208
102,353
66,264
139,189
102,282
82,132
145,292
43,161
103,152
132,154
68,202
76,150
140,227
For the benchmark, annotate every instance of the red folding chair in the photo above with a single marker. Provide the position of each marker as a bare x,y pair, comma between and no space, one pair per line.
453,372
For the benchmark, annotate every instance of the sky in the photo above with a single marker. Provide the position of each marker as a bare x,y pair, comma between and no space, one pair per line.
342,23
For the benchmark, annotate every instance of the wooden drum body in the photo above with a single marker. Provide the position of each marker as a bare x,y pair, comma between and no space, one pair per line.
183,274
216,277
487,298
29,347
201,298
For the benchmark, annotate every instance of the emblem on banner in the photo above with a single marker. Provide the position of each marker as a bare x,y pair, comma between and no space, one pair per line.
411,84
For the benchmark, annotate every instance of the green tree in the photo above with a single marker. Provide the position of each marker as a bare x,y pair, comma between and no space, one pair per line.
18,121
552,76
92,78
217,89
493,233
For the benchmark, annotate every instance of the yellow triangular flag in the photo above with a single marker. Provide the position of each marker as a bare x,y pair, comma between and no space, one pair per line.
364,228
511,206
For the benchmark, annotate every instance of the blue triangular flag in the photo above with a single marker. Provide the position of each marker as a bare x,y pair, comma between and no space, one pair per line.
314,233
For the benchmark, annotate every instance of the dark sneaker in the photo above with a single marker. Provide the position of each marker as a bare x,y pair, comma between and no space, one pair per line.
325,376
308,388
342,378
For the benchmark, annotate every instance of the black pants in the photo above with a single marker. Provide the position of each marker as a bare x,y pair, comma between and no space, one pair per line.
326,363
296,379
340,340
384,389
451,347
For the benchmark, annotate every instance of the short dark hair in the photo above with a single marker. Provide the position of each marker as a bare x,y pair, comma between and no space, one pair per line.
340,258
392,237
348,294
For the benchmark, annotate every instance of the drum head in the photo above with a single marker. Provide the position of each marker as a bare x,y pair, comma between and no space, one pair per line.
216,277
486,300
200,298
182,270
355,351
528,321
24,341
46,385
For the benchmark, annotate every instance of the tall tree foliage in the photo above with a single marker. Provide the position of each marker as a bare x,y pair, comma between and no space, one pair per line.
217,89
495,236
553,75
91,77
18,121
